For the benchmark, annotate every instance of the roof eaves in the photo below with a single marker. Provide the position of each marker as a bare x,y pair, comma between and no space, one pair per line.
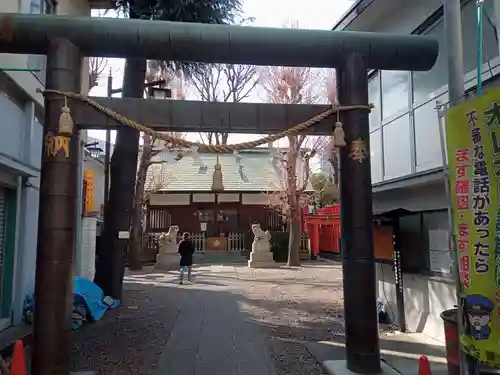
352,13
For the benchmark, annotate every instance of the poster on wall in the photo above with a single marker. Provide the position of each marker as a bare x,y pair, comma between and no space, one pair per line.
473,147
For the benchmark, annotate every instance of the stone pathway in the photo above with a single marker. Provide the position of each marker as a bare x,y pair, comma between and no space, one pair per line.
212,336
232,320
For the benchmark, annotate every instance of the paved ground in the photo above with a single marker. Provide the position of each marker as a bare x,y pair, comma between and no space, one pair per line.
232,320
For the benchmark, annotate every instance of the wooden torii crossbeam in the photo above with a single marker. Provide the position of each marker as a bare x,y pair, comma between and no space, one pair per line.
196,116
66,39
182,41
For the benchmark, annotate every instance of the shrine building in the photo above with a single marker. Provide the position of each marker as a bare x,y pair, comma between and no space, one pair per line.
181,194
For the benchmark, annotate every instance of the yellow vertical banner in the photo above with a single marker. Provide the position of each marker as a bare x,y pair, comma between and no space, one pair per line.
88,176
473,147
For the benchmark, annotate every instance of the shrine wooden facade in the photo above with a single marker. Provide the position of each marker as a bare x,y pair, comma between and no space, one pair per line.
214,214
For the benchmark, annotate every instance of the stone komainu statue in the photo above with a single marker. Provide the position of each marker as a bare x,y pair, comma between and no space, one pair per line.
259,234
167,258
169,239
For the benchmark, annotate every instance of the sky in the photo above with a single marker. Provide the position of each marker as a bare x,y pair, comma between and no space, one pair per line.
317,14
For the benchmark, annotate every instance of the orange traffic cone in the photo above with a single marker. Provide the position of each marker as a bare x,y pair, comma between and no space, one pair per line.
424,367
18,365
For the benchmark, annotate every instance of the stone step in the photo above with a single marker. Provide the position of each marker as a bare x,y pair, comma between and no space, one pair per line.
219,257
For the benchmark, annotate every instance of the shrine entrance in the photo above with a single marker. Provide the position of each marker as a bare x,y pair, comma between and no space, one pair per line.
66,39
218,221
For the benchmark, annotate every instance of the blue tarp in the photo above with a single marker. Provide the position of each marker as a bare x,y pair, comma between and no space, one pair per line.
89,303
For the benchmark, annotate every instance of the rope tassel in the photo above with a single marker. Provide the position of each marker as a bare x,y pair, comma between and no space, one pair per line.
339,135
66,121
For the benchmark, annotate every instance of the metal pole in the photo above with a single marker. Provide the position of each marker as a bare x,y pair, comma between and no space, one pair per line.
452,239
398,274
456,89
453,31
107,154
358,261
479,15
56,219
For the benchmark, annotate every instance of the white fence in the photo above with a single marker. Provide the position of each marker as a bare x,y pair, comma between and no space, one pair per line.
304,241
198,239
235,242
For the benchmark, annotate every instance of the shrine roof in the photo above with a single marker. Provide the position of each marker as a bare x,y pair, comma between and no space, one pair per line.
257,174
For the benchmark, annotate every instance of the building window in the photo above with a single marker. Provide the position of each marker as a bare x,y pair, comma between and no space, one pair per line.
49,6
274,220
206,216
374,98
42,6
426,83
376,156
38,63
395,93
427,137
435,233
469,38
397,148
159,219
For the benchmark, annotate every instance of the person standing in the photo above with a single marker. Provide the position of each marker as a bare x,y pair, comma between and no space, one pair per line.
186,250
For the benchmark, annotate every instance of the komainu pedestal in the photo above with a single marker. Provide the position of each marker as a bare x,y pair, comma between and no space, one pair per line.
168,258
261,255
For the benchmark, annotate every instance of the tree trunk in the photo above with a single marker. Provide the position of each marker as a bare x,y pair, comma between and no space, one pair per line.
117,213
135,238
134,253
294,241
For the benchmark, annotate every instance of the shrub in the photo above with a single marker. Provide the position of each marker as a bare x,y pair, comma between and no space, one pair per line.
279,246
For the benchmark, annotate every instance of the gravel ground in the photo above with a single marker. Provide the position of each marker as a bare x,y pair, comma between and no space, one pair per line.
130,339
292,306
295,306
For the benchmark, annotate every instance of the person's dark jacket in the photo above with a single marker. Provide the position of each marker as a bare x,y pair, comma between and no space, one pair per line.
186,250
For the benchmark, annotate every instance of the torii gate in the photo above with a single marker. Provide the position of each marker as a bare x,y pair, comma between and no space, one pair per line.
66,39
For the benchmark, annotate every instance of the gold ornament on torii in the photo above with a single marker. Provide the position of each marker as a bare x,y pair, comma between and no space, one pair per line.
358,151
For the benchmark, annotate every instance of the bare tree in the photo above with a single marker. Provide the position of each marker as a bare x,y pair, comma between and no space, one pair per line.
330,85
330,88
97,65
288,85
223,83
149,155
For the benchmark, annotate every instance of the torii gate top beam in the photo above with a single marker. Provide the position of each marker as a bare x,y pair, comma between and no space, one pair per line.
181,41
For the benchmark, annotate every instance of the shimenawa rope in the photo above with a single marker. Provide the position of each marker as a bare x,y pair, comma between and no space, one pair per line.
175,141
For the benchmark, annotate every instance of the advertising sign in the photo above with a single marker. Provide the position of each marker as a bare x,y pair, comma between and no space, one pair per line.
473,147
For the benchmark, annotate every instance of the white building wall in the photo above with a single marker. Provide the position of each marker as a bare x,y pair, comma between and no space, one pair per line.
21,142
425,298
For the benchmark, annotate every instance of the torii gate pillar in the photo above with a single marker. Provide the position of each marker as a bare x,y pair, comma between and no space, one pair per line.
358,266
56,219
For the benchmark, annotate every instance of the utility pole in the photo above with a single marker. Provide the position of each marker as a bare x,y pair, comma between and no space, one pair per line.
456,90
167,93
107,154
453,32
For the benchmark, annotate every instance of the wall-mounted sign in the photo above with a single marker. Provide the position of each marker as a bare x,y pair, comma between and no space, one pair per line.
88,193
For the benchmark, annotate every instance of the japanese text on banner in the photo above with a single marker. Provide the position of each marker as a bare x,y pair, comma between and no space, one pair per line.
473,146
